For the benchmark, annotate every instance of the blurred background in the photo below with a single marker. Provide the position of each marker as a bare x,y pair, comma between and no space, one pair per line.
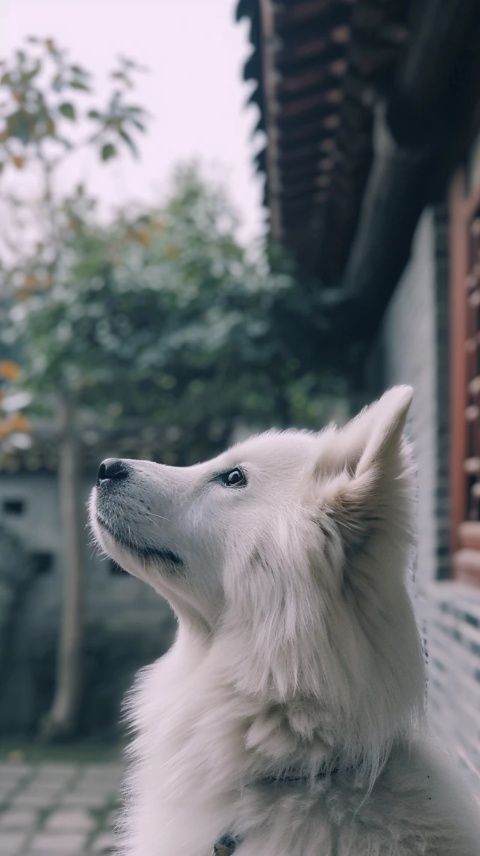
217,217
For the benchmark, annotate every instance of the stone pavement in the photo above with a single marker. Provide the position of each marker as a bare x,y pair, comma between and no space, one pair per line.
57,809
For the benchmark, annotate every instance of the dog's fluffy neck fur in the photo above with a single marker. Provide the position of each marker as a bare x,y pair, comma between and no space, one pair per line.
327,695
222,730
308,722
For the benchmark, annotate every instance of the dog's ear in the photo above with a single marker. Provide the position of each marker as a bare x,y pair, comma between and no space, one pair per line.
373,486
378,427
384,423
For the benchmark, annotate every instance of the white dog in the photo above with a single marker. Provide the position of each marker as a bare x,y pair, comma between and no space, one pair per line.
283,720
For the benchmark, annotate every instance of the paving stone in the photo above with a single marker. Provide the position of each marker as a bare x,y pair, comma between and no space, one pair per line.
101,793
59,768
107,769
73,820
11,843
23,819
39,783
46,780
34,850
101,789
13,769
101,773
11,781
53,779
68,792
85,800
94,787
36,801
57,844
6,791
39,790
104,843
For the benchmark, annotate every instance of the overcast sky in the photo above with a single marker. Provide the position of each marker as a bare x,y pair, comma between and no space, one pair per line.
194,90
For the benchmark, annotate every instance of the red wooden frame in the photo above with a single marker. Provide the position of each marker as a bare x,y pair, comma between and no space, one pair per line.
465,379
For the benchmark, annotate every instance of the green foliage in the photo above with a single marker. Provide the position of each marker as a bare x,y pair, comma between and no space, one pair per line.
159,326
44,97
159,322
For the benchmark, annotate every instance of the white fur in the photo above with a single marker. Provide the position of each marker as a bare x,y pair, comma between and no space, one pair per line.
296,650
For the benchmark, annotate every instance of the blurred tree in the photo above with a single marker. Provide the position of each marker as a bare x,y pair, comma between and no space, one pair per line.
14,426
48,113
161,323
156,328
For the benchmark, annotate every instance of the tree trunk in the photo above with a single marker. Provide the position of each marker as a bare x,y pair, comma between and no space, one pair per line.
63,716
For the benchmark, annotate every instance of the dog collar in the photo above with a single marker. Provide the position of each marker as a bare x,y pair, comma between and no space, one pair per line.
227,844
293,777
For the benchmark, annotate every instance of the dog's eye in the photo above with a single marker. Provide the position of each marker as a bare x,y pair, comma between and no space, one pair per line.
233,478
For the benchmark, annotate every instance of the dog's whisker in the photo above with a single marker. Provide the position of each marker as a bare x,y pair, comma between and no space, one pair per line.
152,514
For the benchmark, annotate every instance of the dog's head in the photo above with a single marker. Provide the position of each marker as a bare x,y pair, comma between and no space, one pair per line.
292,544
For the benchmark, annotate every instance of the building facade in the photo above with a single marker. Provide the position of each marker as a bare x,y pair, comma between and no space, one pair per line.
372,182
415,346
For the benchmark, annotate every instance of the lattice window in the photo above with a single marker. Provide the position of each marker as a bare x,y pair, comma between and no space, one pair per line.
465,379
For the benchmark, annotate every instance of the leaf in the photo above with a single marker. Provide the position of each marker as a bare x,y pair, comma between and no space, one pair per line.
20,440
16,401
18,161
128,140
108,151
9,370
67,109
57,83
79,84
28,76
31,280
139,125
20,124
21,423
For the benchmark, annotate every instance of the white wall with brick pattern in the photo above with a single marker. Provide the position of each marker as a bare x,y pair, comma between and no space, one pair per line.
413,348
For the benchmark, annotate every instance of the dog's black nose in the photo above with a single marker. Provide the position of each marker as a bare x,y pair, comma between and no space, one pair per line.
112,468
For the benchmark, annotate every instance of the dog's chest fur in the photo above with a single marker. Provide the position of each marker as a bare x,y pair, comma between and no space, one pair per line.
188,787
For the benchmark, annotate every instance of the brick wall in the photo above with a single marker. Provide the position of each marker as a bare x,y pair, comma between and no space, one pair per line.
452,611
413,348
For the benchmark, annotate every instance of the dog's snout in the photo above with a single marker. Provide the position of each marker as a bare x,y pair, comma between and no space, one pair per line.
112,468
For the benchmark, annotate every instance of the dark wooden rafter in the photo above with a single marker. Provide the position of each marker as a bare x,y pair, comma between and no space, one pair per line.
269,77
377,38
287,16
317,65
308,51
300,95
311,79
325,66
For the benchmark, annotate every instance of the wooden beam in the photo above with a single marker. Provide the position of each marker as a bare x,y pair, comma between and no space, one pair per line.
458,362
269,76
